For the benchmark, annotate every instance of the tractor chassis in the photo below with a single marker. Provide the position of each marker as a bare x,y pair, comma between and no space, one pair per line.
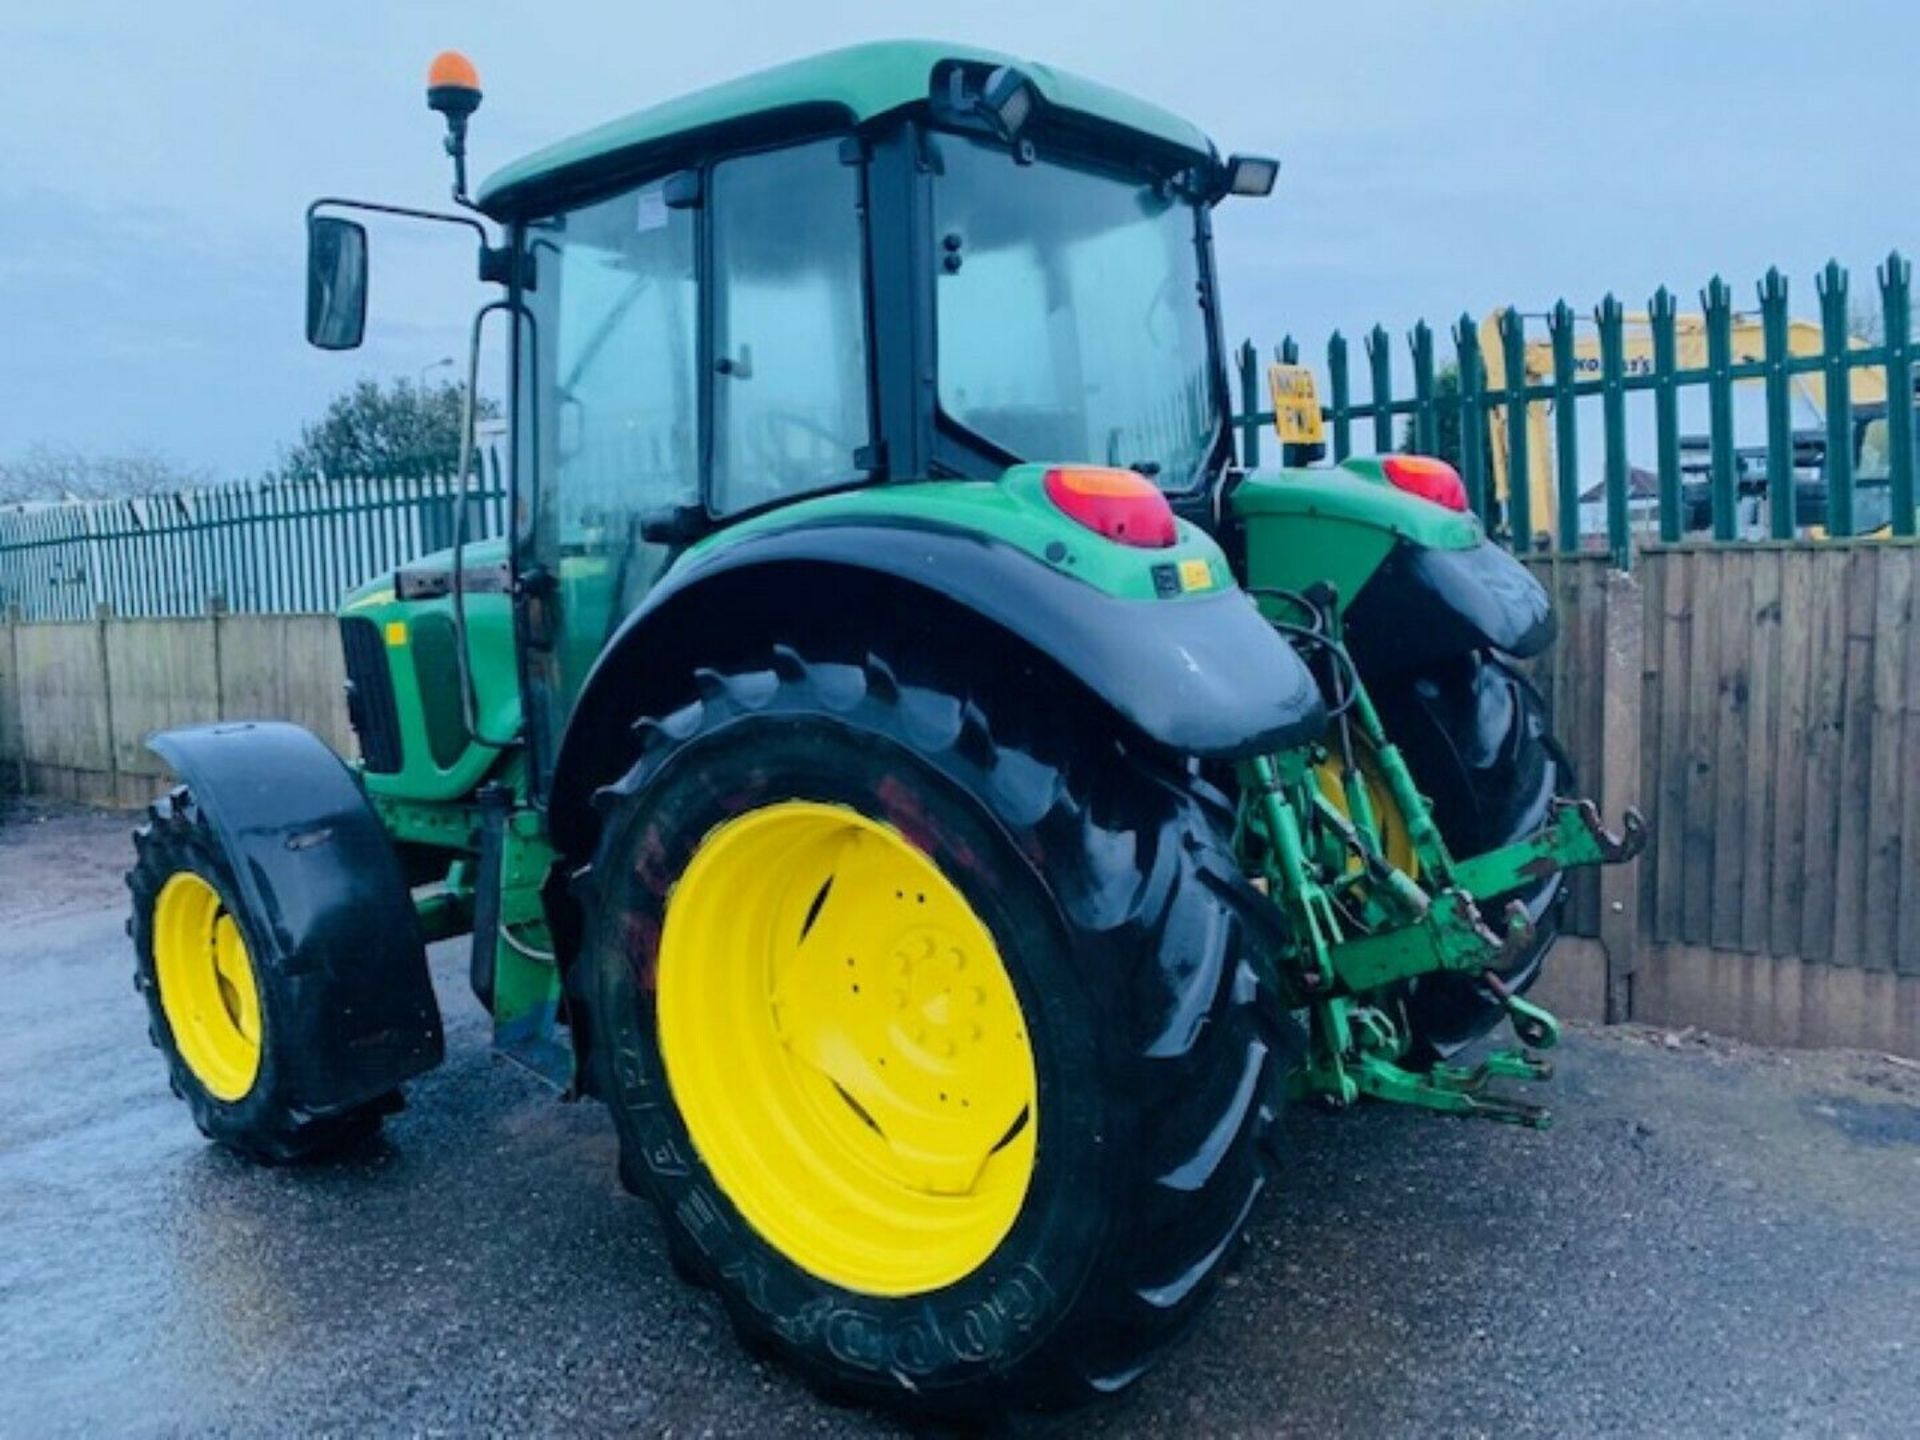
1354,927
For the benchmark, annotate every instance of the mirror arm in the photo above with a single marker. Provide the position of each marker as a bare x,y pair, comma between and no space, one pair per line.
406,212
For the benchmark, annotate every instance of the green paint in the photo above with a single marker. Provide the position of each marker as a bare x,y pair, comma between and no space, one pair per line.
495,677
1337,525
1572,838
1456,1089
526,977
526,982
1013,510
856,85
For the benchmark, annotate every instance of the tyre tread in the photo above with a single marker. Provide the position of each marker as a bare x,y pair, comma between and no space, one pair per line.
1202,1109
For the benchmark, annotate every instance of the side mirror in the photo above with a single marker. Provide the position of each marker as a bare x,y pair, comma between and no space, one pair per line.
336,282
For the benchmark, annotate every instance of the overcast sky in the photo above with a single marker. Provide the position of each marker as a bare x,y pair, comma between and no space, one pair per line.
1437,157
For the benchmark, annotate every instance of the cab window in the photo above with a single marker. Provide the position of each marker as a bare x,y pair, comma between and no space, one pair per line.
613,438
789,344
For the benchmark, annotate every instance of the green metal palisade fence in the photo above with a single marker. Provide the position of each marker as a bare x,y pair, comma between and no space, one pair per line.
274,548
296,547
1487,413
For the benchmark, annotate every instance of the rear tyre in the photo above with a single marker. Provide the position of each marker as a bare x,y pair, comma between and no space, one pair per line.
1474,733
936,1044
210,1009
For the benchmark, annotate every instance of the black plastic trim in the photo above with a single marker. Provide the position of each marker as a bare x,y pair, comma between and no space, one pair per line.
371,708
1423,606
320,879
1202,676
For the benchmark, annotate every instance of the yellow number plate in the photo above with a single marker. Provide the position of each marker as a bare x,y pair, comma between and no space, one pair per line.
1296,405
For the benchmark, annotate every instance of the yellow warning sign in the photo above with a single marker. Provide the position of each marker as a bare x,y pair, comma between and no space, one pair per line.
1296,405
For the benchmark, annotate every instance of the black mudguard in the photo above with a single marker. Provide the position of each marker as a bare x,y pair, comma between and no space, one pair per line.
324,888
1203,675
1425,606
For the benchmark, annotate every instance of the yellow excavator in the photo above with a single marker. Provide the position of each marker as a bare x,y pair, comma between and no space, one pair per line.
1868,386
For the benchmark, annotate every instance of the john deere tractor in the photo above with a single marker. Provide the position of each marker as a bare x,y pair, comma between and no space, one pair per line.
897,762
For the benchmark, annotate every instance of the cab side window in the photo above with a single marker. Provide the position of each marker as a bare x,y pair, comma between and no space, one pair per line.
790,412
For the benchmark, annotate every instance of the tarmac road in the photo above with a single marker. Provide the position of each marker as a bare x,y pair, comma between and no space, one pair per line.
1714,1239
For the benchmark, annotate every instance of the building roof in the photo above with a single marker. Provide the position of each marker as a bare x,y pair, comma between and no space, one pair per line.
863,82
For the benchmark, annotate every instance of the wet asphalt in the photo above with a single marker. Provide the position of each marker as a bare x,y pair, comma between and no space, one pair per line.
1714,1239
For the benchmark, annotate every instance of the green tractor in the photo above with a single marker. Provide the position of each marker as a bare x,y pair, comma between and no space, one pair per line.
898,762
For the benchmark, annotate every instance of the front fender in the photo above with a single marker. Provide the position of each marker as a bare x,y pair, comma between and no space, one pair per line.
1198,674
320,880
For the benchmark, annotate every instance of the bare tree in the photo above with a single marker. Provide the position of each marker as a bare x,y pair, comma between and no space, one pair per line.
51,472
1865,320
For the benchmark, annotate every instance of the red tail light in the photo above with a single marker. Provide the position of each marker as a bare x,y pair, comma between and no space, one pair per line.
1122,505
1426,477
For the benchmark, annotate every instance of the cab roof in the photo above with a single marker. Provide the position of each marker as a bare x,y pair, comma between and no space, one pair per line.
853,85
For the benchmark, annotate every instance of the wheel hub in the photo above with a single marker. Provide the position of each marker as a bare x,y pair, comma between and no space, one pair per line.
207,989
846,1048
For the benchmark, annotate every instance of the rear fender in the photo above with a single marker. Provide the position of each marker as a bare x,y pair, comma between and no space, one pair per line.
1200,675
324,890
1423,606
1419,583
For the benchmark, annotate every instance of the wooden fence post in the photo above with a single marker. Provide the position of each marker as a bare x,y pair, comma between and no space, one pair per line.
14,616
102,617
216,608
1622,716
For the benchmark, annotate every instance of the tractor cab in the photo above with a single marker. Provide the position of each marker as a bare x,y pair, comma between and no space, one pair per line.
903,262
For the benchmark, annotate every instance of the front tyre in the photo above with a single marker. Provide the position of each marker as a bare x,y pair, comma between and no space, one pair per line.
934,1041
212,1009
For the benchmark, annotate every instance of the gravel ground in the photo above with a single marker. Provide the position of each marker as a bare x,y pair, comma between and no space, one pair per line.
1715,1239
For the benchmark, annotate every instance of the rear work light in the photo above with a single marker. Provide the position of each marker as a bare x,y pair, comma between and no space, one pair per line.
1426,477
1122,505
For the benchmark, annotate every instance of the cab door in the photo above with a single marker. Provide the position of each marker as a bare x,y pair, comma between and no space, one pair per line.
607,430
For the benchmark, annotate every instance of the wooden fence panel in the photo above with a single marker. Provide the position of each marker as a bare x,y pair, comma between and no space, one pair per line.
11,758
1854,799
1694,823
162,674
1671,639
1786,874
1569,677
1907,936
1891,765
1779,745
66,738
1820,815
285,667
1762,713
1734,637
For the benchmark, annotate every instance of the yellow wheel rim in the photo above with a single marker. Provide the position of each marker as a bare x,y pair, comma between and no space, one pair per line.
206,984
846,1049
1396,842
